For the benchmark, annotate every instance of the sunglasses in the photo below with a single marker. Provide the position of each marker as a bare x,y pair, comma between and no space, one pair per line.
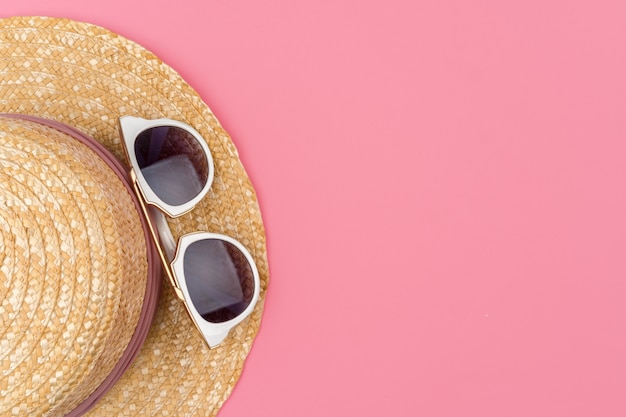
214,275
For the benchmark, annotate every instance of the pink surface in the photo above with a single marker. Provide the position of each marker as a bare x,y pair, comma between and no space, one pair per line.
443,189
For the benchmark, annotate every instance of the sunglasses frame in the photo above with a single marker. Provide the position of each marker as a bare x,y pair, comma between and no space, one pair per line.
172,254
131,127
214,333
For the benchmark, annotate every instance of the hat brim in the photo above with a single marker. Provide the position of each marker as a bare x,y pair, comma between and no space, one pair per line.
87,77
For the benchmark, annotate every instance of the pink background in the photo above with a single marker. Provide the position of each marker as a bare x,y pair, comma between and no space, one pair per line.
443,186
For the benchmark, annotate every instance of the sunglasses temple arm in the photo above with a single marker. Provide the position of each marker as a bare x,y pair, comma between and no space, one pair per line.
161,235
165,235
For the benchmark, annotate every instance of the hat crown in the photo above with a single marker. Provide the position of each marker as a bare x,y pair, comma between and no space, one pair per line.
73,269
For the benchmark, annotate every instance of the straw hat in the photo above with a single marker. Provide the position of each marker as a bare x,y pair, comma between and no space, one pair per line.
78,278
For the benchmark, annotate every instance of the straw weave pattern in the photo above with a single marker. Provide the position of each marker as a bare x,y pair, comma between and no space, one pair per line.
87,77
69,246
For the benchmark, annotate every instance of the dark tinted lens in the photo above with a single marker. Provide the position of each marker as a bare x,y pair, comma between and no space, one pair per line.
219,278
172,162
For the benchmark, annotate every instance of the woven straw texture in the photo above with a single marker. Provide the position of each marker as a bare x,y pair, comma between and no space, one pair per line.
87,77
69,245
